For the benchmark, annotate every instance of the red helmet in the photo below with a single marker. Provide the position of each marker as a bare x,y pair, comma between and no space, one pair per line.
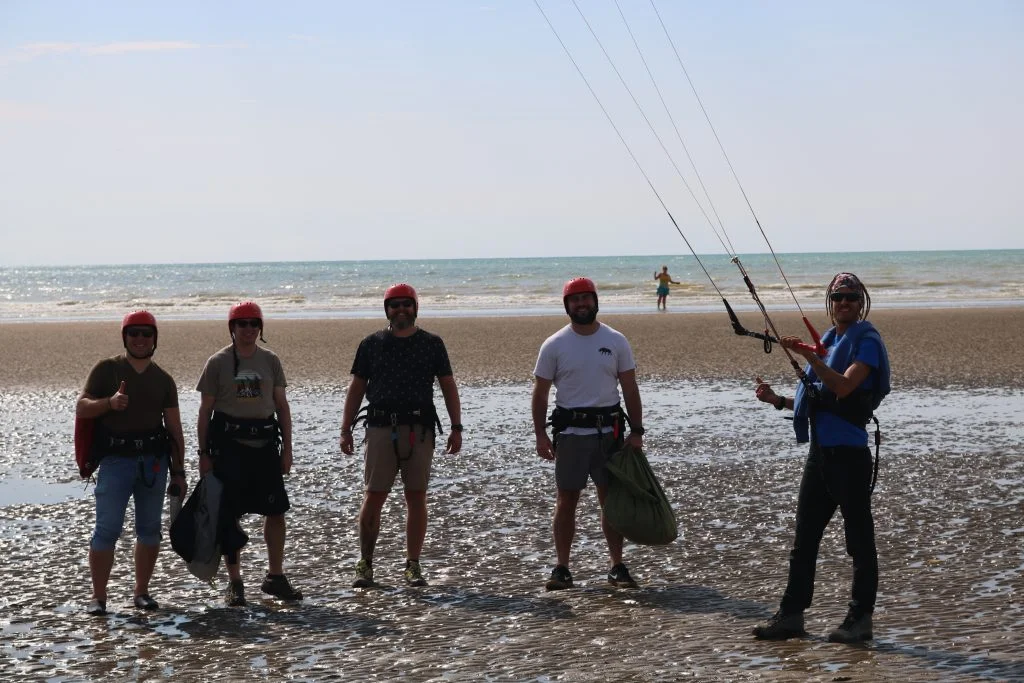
578,285
401,290
138,318
245,310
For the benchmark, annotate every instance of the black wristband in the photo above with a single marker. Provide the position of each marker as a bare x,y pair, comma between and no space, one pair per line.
781,403
638,430
177,473
457,427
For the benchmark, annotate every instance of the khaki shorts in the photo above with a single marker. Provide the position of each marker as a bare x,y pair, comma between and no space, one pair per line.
578,456
381,465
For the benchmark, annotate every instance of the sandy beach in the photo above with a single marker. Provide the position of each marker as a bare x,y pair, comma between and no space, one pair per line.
948,513
932,347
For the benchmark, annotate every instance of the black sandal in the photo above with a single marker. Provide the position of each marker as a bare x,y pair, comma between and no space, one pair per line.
145,602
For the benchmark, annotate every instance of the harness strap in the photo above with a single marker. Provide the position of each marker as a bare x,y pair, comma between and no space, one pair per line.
132,443
224,427
588,418
383,416
878,443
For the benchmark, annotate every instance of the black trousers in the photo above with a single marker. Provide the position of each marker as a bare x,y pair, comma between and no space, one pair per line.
834,477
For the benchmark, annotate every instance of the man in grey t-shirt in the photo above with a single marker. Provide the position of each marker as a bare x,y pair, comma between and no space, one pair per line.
245,439
587,362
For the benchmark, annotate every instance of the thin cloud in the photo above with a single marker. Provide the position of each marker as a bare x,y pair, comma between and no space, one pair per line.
31,51
140,46
24,112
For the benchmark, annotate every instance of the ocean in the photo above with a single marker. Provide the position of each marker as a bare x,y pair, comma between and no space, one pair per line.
520,286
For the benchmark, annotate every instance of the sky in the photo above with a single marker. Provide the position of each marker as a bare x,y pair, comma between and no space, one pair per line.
256,131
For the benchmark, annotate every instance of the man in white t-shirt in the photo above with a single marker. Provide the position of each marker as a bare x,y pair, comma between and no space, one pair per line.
587,362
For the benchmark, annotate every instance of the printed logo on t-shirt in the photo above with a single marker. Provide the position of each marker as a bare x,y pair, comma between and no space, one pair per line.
605,350
248,385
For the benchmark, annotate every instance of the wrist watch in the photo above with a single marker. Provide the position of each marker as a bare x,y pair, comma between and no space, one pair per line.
457,427
638,430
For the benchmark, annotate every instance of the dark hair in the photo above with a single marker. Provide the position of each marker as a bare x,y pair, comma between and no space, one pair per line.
850,281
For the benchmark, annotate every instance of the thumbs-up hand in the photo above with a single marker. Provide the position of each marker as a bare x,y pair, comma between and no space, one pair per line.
119,401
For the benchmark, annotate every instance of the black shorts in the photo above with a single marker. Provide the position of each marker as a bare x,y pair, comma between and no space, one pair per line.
252,479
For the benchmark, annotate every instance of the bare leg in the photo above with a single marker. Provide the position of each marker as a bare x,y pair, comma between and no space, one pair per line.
613,537
415,523
369,522
145,561
100,564
274,535
565,523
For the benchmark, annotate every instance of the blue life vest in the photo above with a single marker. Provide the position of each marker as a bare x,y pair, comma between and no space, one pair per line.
840,358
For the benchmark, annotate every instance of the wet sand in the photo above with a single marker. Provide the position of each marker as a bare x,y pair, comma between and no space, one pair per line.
931,347
948,516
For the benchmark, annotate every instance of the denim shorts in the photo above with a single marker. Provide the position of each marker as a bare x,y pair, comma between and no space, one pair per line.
120,477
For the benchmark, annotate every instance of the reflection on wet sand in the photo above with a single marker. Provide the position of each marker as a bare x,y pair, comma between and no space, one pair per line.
947,512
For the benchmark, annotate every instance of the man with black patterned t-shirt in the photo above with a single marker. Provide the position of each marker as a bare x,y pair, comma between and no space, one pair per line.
395,370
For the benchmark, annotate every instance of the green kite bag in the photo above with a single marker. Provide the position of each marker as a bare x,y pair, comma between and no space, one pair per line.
636,505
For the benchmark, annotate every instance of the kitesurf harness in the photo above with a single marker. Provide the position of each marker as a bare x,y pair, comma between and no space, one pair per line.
588,418
380,415
142,442
226,428
134,444
770,334
856,409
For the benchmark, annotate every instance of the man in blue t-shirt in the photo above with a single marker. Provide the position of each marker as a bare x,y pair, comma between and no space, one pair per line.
849,382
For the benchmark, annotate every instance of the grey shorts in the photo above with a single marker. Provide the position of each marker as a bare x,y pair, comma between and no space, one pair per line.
381,465
578,456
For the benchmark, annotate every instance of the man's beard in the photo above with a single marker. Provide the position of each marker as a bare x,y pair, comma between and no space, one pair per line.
584,317
402,322
138,357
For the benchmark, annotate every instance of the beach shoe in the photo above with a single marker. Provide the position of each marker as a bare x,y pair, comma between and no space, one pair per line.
414,573
854,629
781,626
145,602
278,586
619,577
364,575
560,579
235,596
96,608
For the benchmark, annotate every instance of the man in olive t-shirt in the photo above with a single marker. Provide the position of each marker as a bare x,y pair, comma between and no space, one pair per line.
134,404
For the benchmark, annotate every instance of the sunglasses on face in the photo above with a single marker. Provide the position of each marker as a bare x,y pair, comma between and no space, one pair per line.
845,296
401,303
146,332
254,323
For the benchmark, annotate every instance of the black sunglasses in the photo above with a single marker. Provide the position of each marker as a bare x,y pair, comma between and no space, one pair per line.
399,303
844,296
146,332
253,322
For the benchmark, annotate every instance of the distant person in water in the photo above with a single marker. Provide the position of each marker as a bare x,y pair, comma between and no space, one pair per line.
849,382
664,280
